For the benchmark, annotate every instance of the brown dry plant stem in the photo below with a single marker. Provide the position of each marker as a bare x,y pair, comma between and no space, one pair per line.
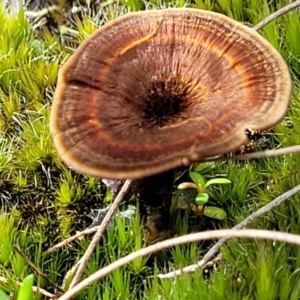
260,154
95,241
42,12
212,252
276,15
71,239
37,270
189,238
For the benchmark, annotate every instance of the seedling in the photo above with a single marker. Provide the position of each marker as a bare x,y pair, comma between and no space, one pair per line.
202,197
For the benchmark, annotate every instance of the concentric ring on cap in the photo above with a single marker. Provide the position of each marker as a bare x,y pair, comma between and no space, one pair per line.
155,90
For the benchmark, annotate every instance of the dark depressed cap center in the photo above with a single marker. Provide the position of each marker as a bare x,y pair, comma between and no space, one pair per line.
155,90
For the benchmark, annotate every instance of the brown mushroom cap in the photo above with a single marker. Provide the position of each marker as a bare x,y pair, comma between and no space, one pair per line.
154,90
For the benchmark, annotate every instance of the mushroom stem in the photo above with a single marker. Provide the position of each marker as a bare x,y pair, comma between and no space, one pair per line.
154,201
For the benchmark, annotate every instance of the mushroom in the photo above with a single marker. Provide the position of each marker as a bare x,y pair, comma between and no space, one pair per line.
155,90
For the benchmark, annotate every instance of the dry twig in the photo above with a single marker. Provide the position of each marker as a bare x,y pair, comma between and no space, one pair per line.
71,239
95,241
260,154
37,270
277,14
190,238
41,13
70,273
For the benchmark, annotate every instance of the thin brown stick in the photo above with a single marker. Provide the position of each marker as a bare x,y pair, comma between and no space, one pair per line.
35,289
190,238
72,238
276,14
260,154
70,273
37,270
212,252
42,12
95,241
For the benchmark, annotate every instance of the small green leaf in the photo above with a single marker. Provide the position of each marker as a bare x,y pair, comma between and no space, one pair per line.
217,181
202,198
3,296
215,212
197,178
186,185
25,292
